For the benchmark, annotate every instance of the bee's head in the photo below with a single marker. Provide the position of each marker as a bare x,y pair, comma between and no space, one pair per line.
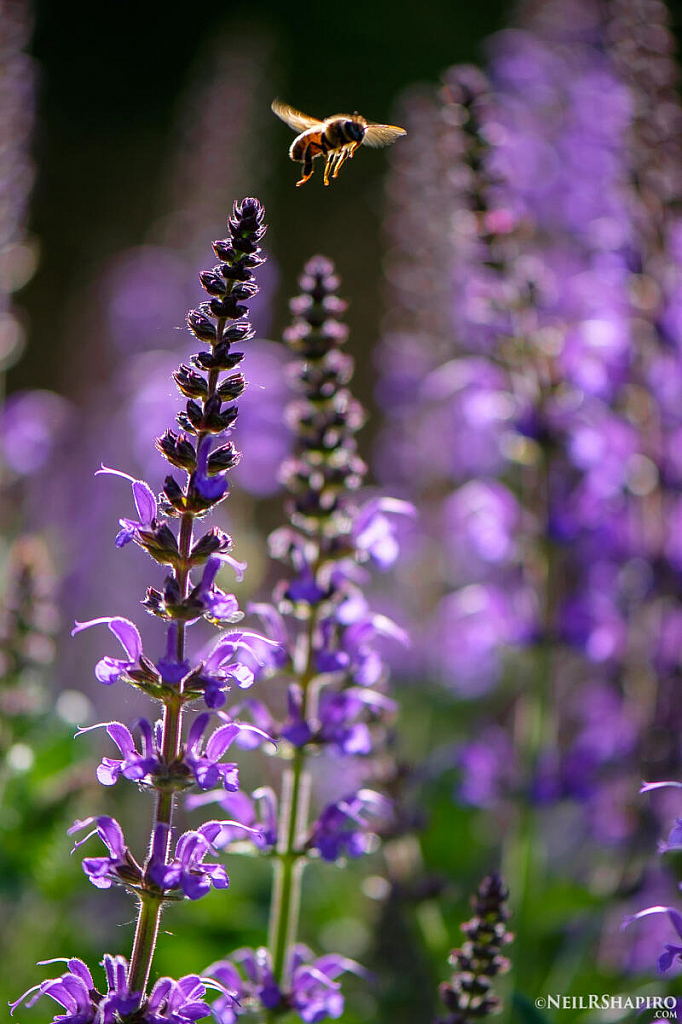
354,131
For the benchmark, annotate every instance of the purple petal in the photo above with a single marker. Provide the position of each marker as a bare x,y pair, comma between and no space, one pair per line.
647,787
145,502
128,635
196,732
122,737
112,836
221,740
109,771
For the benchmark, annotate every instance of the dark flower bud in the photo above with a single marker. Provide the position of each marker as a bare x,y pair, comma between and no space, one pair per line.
237,332
174,493
232,387
236,272
219,359
215,420
225,457
244,290
192,417
172,594
178,450
160,543
201,326
185,422
212,282
252,260
190,383
153,602
228,307
224,251
214,542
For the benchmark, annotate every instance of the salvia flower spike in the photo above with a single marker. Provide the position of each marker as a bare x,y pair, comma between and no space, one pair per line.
163,759
326,635
468,996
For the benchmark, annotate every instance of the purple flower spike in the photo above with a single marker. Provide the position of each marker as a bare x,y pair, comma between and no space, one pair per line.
342,827
145,503
119,866
109,670
134,766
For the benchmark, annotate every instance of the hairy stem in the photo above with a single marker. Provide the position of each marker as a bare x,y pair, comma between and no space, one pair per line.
146,931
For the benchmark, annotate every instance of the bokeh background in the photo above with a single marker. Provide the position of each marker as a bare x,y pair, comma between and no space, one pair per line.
144,124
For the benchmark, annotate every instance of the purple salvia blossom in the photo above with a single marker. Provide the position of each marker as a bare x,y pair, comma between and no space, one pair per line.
342,828
109,670
315,993
258,812
525,382
133,765
672,951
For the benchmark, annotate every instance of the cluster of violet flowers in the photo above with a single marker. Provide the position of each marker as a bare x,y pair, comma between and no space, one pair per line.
325,647
552,364
166,763
320,638
524,427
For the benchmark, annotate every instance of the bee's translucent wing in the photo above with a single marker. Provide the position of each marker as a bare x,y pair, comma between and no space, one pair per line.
379,135
294,118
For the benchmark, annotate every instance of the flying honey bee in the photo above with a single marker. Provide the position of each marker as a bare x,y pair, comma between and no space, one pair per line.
335,138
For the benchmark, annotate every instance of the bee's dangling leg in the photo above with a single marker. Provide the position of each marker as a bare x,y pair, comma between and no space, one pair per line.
307,168
352,149
340,160
332,157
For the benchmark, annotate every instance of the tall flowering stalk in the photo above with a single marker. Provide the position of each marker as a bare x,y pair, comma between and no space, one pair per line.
336,679
468,996
168,762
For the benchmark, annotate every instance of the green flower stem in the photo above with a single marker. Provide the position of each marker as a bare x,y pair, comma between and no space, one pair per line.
294,813
146,931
